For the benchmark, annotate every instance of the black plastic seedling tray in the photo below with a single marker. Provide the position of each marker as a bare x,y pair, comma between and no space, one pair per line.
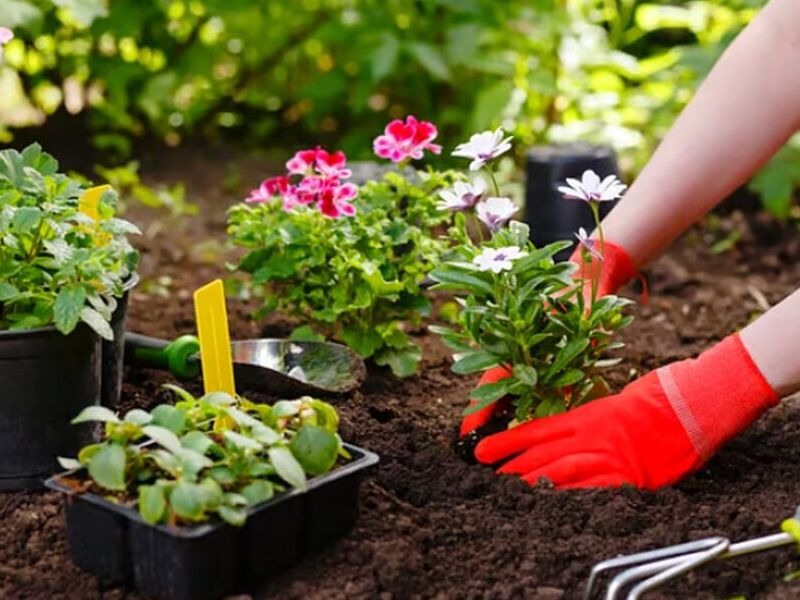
207,561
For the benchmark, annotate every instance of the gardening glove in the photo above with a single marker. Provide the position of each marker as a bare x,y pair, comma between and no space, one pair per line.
615,270
479,418
657,430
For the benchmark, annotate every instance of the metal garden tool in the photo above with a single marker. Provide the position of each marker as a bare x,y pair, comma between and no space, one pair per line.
645,571
281,367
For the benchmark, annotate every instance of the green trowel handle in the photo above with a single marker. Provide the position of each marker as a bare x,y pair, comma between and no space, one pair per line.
179,357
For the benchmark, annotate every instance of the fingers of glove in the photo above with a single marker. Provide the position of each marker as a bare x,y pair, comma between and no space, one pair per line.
538,456
570,468
507,443
477,419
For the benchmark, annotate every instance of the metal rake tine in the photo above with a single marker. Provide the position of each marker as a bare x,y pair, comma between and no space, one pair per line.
678,550
686,565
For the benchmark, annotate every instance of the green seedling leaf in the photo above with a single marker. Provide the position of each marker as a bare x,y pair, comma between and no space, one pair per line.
491,391
7,291
285,408
26,218
232,516
95,413
287,467
107,467
69,464
402,362
315,449
166,461
571,377
258,492
164,437
87,452
152,503
169,417
243,442
187,500
137,416
265,435
570,351
327,416
219,399
452,279
67,308
222,475
180,392
96,321
197,441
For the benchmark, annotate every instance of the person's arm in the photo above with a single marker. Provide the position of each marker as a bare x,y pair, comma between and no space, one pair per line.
745,110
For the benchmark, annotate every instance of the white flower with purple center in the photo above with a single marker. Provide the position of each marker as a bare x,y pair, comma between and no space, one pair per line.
590,188
463,196
495,212
483,147
497,259
588,243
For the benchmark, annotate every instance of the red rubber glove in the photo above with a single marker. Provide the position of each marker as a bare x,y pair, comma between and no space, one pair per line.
616,268
658,429
481,417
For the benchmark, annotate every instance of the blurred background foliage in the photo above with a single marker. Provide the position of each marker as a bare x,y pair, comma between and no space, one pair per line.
281,74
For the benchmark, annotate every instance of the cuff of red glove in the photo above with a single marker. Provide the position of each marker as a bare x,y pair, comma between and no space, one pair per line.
614,271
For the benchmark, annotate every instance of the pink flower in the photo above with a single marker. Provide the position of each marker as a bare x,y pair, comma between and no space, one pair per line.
404,140
332,164
302,162
6,35
269,188
334,201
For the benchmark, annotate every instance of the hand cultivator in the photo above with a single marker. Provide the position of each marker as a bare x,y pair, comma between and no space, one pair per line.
645,571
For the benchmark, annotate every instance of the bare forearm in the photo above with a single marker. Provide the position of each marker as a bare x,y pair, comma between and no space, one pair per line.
746,109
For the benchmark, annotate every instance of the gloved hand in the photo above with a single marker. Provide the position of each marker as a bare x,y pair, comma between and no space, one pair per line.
658,429
615,270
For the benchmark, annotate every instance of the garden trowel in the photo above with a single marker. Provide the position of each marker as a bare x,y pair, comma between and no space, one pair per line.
276,366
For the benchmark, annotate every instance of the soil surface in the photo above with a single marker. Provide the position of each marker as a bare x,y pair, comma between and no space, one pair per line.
431,525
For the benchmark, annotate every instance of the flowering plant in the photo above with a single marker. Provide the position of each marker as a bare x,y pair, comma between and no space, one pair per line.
522,310
58,265
347,262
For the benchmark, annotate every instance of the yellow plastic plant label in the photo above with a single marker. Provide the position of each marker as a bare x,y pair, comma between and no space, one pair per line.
215,343
88,205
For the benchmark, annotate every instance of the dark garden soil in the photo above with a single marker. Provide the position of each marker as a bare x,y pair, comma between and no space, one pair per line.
431,525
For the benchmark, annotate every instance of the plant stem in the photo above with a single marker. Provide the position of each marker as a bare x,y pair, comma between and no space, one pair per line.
493,179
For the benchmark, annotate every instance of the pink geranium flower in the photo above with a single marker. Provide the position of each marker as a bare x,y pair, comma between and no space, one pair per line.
269,188
334,200
406,140
332,164
302,162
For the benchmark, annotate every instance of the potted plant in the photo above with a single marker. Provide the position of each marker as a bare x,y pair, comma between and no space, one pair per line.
61,273
349,262
210,495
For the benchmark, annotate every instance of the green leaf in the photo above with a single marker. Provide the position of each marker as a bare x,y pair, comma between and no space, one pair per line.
188,500
242,441
97,322
95,413
26,218
430,58
257,492
197,441
67,308
403,363
384,57
169,417
107,467
526,374
458,280
7,291
566,355
571,377
491,391
137,416
315,448
69,464
473,361
163,437
152,503
364,341
305,333
287,467
232,516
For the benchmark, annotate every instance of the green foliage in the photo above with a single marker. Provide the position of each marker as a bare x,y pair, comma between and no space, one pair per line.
57,265
532,319
354,279
214,455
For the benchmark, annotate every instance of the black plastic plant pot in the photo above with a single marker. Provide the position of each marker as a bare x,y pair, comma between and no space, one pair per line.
114,350
549,215
46,378
210,560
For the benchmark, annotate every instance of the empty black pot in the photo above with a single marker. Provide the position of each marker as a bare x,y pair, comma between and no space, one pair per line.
550,216
46,379
114,350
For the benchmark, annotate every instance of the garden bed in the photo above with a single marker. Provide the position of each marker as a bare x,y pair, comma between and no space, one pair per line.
433,526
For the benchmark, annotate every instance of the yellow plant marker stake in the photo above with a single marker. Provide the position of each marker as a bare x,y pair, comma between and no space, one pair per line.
215,342
88,205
